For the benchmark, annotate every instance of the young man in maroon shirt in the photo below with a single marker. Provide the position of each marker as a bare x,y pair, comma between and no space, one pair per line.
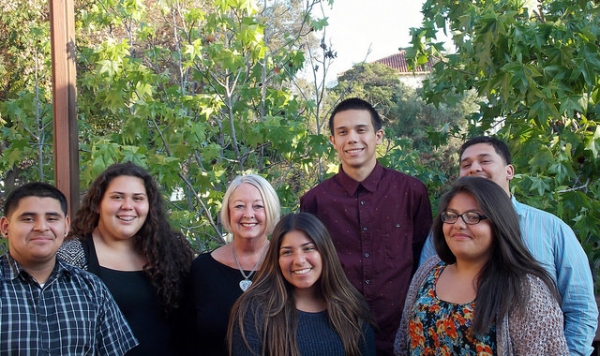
378,218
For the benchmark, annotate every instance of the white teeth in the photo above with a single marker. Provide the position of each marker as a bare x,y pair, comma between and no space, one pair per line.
248,224
302,271
126,218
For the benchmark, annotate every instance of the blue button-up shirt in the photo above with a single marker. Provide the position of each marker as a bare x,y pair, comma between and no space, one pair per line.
71,314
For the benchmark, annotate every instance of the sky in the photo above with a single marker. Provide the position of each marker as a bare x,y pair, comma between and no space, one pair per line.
356,25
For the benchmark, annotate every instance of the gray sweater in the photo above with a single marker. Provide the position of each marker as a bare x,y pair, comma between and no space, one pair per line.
536,332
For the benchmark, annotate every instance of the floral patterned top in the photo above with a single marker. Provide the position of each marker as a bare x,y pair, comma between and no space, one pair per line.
436,327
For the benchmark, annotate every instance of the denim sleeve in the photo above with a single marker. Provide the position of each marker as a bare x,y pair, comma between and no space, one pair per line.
428,249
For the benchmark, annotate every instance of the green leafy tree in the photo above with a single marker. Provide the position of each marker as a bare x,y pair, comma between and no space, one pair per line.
195,91
25,102
536,68
374,82
418,120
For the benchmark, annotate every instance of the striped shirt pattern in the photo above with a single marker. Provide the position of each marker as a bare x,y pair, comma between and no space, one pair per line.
71,314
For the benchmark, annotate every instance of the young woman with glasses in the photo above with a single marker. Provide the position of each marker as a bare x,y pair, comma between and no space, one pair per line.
485,294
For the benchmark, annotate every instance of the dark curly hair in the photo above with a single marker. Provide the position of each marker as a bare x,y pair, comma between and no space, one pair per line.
168,253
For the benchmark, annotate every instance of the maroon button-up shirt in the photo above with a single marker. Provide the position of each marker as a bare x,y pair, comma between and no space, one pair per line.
378,226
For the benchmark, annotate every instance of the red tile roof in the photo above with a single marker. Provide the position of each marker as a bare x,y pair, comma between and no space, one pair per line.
398,62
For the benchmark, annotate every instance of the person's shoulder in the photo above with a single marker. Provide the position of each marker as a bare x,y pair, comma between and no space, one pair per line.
4,264
82,277
408,182
532,213
533,210
400,175
537,288
73,253
203,259
320,186
71,246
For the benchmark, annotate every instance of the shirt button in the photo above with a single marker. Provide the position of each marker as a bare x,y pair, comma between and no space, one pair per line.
364,229
397,225
367,255
362,202
368,281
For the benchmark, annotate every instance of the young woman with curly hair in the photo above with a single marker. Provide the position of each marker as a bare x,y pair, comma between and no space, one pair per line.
121,233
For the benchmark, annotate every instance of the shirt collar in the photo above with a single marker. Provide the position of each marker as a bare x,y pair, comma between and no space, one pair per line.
370,183
11,269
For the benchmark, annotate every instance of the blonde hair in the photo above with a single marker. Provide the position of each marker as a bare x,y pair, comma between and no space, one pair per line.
267,193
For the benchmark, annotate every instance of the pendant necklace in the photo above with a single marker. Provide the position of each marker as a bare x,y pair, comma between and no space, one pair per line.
246,282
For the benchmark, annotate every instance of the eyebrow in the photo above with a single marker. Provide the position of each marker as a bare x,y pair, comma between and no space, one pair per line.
481,155
123,193
355,126
50,213
303,245
242,201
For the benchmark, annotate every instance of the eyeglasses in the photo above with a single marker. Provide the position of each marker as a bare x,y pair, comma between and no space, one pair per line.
470,217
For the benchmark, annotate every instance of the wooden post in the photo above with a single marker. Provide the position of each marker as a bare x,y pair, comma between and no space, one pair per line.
66,142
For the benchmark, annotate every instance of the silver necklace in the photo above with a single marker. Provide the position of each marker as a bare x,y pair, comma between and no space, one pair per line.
246,282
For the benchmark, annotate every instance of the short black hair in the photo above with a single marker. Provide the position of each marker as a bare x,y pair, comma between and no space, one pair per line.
499,146
34,189
356,104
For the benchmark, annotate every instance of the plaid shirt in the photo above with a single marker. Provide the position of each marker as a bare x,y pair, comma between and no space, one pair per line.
72,314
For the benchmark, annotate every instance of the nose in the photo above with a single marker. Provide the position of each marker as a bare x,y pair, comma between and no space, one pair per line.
127,204
475,168
249,212
40,225
299,259
352,136
460,224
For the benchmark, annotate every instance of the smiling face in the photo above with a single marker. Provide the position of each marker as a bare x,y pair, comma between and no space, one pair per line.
123,209
468,242
355,139
35,230
247,215
299,261
482,160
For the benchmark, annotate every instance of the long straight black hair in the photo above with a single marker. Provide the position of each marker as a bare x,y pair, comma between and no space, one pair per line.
270,299
501,285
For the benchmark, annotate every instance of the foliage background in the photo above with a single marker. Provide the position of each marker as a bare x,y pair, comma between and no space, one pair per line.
536,68
200,91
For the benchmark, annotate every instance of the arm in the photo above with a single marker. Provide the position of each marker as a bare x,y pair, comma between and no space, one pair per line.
308,204
428,249
575,285
252,345
367,346
553,243
113,335
538,330
422,227
401,346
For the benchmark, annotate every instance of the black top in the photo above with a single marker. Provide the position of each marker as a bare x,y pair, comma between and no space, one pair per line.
139,303
214,288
